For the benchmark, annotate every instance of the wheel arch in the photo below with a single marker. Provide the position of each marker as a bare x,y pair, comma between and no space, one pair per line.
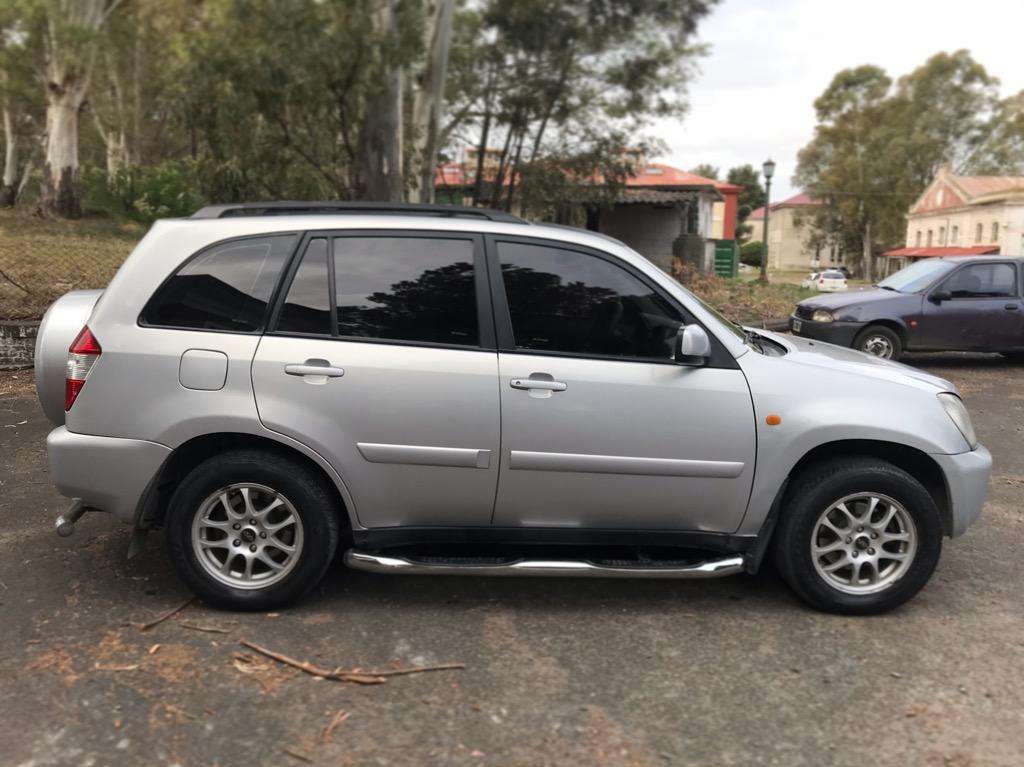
186,456
915,462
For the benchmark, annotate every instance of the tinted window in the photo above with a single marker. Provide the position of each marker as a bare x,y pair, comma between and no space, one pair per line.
406,289
307,307
566,301
834,276
225,288
982,281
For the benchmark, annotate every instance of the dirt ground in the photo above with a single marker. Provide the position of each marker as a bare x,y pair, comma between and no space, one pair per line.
557,672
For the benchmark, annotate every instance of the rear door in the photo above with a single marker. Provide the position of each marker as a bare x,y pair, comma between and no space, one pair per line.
381,358
984,311
600,428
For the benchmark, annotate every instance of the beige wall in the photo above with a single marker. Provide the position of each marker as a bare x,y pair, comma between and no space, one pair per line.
788,248
958,227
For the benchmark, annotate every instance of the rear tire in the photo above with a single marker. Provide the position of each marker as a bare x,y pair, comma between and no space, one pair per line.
868,559
252,530
879,341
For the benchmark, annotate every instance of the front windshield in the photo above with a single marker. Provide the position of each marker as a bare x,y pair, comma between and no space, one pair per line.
729,324
917,276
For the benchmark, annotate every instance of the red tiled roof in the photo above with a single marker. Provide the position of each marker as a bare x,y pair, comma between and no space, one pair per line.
796,201
654,175
976,186
971,250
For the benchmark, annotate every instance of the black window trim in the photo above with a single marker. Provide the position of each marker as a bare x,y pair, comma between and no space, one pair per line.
967,265
485,315
271,301
720,358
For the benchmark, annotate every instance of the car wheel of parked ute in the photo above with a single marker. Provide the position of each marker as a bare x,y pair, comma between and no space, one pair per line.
857,536
879,341
251,530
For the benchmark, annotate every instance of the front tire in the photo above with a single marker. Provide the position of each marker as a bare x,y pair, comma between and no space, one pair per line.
857,536
879,341
252,530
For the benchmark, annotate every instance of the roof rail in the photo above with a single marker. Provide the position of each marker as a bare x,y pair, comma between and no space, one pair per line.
296,208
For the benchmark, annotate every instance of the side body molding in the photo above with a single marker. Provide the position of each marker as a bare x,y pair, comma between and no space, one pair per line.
619,464
424,455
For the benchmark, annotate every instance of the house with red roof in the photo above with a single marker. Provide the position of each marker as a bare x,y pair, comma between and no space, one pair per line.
792,241
964,215
662,212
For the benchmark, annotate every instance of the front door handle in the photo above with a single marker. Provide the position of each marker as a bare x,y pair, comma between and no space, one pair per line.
1011,307
537,383
314,368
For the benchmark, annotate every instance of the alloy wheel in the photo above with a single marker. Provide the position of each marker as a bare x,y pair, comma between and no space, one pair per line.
863,543
247,536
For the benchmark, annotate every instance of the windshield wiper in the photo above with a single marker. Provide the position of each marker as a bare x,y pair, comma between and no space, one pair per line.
753,338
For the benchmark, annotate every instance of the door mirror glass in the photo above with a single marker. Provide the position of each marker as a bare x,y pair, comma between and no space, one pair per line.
938,296
693,347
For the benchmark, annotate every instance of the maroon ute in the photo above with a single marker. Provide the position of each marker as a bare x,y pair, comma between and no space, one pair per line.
965,303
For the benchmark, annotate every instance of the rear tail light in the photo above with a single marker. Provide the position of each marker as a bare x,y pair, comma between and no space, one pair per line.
82,355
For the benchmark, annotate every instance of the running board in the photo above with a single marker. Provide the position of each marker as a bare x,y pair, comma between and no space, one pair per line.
375,563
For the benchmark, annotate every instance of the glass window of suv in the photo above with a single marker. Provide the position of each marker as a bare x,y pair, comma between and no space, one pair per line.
307,306
416,289
567,301
226,287
982,281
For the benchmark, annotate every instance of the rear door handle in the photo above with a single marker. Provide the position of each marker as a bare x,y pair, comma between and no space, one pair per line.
314,368
537,383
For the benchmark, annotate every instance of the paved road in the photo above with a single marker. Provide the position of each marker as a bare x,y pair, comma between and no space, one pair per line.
557,672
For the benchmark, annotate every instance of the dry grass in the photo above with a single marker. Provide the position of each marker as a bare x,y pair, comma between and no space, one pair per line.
17,383
41,259
748,303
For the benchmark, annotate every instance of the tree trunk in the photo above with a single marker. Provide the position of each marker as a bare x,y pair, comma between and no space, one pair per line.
9,185
868,257
61,194
429,103
382,125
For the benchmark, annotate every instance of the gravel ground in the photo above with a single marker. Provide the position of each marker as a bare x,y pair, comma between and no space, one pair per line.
582,672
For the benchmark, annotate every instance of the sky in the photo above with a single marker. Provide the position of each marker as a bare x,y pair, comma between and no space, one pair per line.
769,59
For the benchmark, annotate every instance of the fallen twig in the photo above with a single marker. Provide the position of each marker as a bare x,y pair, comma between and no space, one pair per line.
130,667
339,674
201,627
340,717
146,626
294,752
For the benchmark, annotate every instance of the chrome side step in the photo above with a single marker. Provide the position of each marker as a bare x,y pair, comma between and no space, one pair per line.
375,563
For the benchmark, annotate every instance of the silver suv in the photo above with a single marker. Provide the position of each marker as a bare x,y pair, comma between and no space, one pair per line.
456,391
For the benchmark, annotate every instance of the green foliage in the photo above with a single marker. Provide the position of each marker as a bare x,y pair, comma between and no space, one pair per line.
168,190
752,197
706,170
751,253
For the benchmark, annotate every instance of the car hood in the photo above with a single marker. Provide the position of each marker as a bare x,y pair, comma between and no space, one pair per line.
803,351
850,298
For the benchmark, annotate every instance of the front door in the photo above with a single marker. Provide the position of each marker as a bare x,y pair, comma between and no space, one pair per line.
600,428
983,310
381,358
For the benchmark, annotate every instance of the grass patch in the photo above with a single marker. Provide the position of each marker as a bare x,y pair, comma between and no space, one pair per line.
42,259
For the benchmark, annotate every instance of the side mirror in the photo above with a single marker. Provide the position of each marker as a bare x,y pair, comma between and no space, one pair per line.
693,347
938,296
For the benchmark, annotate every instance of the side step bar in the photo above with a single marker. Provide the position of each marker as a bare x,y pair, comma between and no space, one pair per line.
375,563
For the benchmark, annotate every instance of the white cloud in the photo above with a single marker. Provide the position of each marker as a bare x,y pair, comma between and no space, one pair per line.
771,58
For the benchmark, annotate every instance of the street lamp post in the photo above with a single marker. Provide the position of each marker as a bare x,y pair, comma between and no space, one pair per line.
769,170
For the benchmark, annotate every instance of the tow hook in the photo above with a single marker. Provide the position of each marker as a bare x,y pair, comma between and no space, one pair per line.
65,523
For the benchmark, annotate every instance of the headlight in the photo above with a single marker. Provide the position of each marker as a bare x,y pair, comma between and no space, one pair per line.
821,315
954,407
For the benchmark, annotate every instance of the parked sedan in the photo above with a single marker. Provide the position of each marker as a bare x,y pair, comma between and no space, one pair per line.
829,281
965,303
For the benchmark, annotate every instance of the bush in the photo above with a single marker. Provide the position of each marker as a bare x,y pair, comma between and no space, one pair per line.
751,253
169,189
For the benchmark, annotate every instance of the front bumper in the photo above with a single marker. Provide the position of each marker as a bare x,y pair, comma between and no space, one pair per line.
967,484
108,473
838,333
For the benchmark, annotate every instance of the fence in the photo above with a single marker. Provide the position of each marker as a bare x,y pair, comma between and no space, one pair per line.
41,259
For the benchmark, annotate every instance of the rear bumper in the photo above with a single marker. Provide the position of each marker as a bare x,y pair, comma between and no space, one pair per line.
108,473
967,482
838,333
